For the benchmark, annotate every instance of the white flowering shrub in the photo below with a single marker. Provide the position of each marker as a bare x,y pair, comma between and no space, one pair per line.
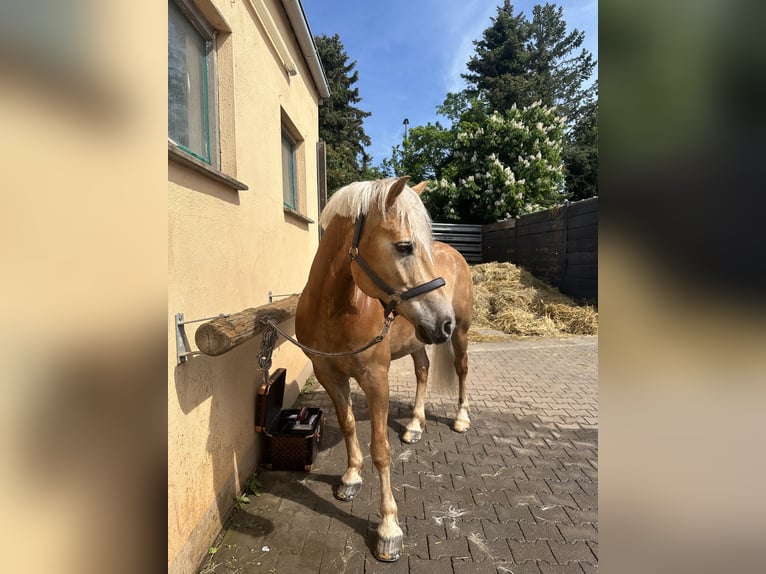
502,166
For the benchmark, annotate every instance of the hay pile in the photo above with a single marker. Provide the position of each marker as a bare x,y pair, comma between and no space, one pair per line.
506,298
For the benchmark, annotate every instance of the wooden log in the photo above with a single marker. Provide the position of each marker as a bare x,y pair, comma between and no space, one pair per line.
220,335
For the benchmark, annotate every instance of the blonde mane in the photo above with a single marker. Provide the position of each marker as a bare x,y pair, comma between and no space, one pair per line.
360,197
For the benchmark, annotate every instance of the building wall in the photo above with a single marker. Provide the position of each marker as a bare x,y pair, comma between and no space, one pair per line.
227,250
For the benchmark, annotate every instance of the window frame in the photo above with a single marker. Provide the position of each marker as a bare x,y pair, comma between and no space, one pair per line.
210,85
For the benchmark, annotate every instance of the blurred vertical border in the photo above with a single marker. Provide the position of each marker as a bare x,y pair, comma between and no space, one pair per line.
83,245
682,285
84,258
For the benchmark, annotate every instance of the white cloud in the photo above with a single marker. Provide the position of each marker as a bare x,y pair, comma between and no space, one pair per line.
463,25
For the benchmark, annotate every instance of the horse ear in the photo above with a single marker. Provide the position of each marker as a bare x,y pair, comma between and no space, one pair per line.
420,187
395,190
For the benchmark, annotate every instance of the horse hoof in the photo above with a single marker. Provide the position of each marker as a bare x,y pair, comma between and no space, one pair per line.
347,492
461,426
389,549
412,436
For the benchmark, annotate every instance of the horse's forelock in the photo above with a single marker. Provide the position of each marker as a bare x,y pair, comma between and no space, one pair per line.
359,197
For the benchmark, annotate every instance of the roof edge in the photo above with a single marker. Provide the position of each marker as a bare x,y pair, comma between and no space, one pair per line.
297,17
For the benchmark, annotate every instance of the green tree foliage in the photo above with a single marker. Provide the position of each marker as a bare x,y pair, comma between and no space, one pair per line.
581,155
502,165
422,154
518,61
340,121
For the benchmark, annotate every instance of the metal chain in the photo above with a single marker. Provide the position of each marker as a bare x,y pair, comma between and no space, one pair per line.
272,329
268,341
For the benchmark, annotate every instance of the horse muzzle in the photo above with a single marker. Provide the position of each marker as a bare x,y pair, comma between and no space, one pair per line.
439,332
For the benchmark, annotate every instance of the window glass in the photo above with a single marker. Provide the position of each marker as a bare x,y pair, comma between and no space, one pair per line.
188,124
288,172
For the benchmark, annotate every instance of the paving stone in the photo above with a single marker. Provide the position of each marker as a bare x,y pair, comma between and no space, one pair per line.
588,487
545,531
421,566
524,499
572,552
351,561
511,567
564,486
373,566
483,497
579,532
418,527
440,547
557,500
311,521
509,530
538,473
299,563
535,551
512,461
582,516
506,513
463,526
488,550
573,568
462,566
550,514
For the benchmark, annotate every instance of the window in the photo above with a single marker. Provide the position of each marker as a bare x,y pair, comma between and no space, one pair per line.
293,172
192,113
289,179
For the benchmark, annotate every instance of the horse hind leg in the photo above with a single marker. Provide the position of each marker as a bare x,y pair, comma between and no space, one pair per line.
415,427
340,392
460,345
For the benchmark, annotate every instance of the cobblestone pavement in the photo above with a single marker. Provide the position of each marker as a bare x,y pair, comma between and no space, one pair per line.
515,494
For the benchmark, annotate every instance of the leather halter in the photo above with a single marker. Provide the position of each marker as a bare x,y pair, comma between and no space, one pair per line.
396,297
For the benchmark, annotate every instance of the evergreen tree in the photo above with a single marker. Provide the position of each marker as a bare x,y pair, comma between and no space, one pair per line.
581,155
518,61
340,121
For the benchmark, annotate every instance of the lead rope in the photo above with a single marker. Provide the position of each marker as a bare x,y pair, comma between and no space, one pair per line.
270,338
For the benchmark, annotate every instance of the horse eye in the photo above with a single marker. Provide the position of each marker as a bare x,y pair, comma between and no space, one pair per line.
404,247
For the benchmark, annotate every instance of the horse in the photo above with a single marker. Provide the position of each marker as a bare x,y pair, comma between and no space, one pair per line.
381,288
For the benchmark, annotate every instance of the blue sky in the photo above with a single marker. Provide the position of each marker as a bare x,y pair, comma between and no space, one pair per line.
410,53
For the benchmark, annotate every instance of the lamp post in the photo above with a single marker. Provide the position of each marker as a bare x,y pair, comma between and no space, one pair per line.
406,122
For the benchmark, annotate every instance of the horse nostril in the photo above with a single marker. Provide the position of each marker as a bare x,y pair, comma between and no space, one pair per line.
447,328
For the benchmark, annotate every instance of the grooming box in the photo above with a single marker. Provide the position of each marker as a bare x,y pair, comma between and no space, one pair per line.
292,435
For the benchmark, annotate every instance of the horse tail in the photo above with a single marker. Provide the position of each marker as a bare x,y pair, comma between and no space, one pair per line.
443,376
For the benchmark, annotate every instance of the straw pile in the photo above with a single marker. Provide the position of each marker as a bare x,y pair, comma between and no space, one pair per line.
506,298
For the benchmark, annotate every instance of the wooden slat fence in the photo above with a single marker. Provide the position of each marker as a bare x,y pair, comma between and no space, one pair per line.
559,246
467,239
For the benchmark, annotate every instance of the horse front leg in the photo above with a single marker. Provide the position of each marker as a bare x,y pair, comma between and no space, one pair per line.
389,544
460,346
340,392
417,423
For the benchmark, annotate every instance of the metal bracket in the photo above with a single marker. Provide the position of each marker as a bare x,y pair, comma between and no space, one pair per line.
183,351
272,295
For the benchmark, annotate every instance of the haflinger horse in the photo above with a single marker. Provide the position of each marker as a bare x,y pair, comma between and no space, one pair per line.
377,260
